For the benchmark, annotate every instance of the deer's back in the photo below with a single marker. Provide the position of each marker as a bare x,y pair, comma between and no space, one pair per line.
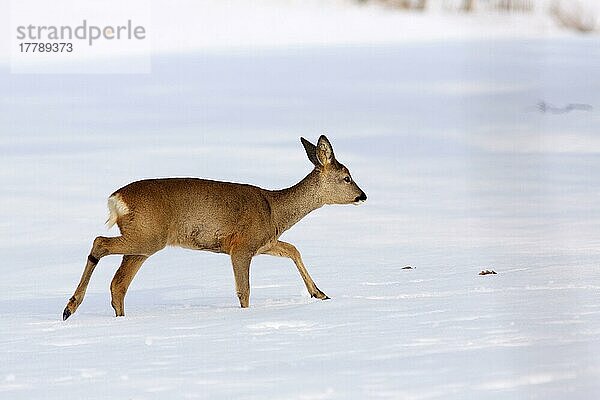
196,213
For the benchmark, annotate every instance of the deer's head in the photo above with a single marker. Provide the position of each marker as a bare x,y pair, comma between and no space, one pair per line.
336,185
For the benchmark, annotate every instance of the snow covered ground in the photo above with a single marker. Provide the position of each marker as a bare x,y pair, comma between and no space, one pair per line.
462,171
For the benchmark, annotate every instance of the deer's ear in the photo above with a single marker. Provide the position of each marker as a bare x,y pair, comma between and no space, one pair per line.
311,151
324,151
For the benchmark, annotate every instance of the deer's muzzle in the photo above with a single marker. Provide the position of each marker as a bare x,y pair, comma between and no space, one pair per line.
360,198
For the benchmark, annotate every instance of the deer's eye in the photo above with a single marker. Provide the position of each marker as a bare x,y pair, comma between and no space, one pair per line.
347,179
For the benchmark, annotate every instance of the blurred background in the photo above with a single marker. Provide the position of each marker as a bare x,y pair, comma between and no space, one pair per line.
472,122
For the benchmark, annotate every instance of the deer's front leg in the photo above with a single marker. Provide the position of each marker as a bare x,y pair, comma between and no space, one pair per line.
284,249
241,272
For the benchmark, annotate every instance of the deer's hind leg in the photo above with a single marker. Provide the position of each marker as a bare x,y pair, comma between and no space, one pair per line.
120,283
104,246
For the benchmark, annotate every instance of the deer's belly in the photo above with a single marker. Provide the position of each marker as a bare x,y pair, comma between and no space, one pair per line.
199,238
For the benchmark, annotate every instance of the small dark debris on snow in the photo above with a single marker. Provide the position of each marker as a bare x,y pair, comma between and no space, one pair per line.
409,267
488,272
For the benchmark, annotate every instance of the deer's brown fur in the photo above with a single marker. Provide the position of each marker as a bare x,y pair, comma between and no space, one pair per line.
236,219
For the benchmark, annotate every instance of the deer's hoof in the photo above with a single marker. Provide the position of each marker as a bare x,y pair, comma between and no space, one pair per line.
70,308
119,312
319,295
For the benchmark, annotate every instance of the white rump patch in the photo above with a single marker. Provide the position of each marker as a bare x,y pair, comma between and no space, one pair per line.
116,209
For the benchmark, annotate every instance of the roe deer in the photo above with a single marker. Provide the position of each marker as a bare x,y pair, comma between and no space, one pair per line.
236,219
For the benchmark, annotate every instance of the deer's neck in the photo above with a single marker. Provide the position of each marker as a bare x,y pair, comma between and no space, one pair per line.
294,203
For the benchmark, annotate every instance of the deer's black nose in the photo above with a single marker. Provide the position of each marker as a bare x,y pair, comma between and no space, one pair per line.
362,197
